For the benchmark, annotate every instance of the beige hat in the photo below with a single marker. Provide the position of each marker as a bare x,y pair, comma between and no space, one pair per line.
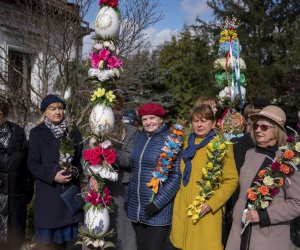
273,113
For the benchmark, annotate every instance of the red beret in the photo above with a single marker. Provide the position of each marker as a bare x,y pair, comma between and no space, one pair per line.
151,108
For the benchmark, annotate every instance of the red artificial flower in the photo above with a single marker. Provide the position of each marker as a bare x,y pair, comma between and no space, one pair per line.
109,155
102,2
98,150
111,3
92,198
95,161
87,154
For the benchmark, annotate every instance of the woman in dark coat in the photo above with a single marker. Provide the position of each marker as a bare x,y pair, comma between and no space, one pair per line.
16,186
54,223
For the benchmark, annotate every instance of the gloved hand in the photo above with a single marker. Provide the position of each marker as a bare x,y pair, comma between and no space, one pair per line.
150,210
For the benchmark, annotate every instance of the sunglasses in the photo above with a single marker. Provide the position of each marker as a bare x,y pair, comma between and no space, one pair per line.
263,127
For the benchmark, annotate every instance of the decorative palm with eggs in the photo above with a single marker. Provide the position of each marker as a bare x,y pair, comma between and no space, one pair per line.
230,79
99,158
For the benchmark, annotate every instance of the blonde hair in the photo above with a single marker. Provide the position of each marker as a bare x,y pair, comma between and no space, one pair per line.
280,135
41,119
205,100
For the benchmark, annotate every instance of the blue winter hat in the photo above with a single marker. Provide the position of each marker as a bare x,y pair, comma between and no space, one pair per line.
49,99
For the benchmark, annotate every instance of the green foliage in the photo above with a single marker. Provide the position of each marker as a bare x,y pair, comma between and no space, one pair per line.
142,80
188,65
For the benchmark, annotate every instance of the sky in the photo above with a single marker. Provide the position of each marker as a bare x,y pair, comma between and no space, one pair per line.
176,14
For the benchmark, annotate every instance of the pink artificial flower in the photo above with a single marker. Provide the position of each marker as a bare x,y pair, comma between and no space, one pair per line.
96,58
113,62
104,54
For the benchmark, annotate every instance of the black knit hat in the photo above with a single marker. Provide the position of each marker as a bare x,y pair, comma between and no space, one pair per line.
49,99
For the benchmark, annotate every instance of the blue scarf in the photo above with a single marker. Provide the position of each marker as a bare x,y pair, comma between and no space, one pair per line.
189,153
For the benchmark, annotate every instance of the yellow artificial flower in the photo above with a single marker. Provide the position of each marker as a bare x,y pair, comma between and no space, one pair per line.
222,146
297,147
224,33
208,184
110,96
210,165
100,92
195,218
210,146
204,172
210,155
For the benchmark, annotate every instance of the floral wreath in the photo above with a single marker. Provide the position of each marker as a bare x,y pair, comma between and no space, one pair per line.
216,151
167,156
271,178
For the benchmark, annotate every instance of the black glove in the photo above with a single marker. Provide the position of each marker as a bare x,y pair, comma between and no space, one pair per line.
150,210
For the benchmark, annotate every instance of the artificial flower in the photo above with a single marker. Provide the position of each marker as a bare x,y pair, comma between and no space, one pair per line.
113,62
110,96
288,154
268,181
211,175
110,3
167,157
271,178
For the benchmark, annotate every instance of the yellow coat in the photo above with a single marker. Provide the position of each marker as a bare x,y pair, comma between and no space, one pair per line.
207,233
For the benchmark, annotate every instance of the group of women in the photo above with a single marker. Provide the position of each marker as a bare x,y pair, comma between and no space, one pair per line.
162,221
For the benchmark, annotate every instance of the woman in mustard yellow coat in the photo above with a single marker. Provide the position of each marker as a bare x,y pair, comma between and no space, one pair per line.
205,233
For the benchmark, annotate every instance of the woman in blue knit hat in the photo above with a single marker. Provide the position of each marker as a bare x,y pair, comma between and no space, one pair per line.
55,224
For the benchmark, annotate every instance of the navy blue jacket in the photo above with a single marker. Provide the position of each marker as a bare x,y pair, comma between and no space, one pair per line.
144,157
50,210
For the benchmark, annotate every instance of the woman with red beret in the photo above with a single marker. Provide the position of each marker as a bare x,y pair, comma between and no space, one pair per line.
151,218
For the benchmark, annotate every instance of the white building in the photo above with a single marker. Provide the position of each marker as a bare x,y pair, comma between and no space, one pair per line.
37,40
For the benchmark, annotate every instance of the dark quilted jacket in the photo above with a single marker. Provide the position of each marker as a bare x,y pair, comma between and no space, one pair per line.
144,156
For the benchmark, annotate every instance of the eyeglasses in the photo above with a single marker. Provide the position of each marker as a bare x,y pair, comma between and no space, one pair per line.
263,127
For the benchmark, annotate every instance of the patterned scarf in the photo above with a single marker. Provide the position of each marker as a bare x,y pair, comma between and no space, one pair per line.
58,130
5,135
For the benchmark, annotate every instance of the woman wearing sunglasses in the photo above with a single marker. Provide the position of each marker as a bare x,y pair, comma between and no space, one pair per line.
260,222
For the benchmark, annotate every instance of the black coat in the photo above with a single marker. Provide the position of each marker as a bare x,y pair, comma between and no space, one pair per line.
16,186
50,211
